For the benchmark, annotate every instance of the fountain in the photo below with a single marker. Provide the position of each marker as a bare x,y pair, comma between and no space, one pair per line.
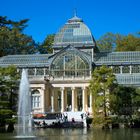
24,128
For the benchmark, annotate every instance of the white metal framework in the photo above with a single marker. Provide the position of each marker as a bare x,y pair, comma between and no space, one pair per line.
70,64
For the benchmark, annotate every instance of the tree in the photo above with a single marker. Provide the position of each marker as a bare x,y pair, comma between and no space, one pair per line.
107,42
117,42
127,101
136,102
128,43
102,81
123,104
8,94
12,38
45,47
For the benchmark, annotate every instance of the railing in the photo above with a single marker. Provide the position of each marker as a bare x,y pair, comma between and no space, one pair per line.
51,78
128,79
124,79
72,78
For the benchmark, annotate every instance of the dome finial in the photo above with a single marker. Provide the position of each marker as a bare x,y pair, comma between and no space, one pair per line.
75,12
75,18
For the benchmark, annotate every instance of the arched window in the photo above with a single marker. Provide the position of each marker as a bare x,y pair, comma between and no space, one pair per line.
125,69
70,64
36,101
116,69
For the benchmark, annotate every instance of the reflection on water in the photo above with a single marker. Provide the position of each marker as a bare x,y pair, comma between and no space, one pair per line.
81,134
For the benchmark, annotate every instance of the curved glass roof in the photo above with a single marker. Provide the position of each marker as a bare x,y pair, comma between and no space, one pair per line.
36,60
74,32
115,58
70,63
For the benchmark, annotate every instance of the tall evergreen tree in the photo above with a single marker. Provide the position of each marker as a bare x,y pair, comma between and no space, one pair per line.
101,83
8,95
12,38
46,46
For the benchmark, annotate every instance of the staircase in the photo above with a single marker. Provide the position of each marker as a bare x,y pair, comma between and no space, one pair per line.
77,116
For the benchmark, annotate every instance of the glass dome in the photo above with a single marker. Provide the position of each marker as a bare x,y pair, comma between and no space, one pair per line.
74,32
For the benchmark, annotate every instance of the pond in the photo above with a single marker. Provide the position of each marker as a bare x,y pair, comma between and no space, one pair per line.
80,134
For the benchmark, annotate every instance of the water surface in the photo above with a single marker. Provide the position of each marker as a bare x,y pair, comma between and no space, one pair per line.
80,134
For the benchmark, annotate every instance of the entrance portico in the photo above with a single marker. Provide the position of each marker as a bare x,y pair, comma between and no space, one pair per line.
72,97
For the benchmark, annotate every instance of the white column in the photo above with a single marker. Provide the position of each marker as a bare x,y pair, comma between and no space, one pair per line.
130,69
73,99
90,73
83,98
62,99
90,102
44,71
42,91
111,67
52,101
35,71
121,69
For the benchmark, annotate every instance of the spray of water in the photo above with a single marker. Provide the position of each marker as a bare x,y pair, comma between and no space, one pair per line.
24,107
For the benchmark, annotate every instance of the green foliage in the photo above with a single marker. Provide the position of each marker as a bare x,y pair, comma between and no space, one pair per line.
126,102
45,47
128,43
4,103
12,38
102,81
20,25
9,72
136,98
8,93
117,42
11,121
6,112
106,42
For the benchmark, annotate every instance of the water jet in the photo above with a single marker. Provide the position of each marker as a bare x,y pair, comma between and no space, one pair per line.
24,127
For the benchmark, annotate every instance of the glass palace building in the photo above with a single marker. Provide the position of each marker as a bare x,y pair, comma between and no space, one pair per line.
59,81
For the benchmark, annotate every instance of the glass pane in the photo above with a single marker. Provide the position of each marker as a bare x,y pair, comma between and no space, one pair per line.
70,64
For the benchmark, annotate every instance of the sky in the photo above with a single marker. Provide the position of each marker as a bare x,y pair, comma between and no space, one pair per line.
101,16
